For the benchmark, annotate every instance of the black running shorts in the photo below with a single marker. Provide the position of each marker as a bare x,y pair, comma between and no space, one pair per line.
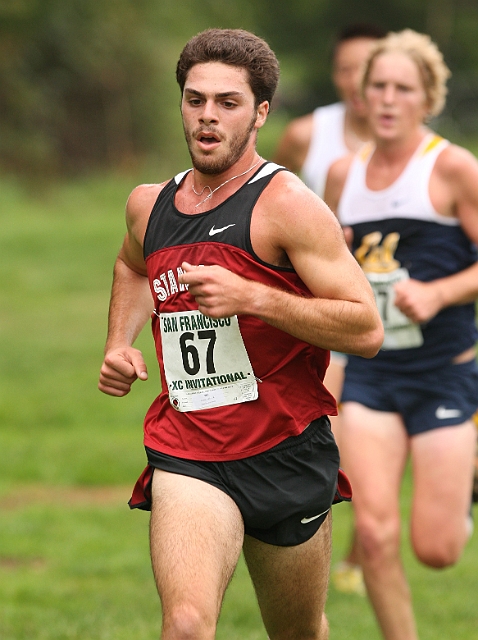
284,494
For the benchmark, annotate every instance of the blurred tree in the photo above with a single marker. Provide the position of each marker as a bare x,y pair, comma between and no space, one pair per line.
90,83
87,83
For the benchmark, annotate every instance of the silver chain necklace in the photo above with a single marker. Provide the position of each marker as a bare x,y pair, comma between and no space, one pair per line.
212,191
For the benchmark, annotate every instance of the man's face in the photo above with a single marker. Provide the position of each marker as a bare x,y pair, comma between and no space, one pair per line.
349,60
219,117
395,96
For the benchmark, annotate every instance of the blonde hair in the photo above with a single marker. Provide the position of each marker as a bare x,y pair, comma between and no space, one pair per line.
426,55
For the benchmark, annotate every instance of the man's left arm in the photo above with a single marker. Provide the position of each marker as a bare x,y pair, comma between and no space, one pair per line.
457,180
341,313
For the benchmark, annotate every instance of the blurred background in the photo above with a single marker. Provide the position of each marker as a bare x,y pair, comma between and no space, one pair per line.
89,107
88,84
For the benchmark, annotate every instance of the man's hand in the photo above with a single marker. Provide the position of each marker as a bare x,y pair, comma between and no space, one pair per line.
419,301
219,293
120,368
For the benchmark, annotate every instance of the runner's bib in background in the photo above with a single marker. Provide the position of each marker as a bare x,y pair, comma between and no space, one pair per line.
205,361
400,331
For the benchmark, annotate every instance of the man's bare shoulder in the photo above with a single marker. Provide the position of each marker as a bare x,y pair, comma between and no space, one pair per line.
290,204
138,209
454,162
454,187
294,143
339,168
142,198
299,130
336,178
285,186
290,222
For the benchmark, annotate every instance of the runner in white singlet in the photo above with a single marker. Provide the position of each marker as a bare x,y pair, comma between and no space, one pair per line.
411,200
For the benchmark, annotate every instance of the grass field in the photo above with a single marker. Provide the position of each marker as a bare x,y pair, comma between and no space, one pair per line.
74,561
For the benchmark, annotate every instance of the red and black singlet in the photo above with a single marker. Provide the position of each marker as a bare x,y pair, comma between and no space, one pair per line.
234,387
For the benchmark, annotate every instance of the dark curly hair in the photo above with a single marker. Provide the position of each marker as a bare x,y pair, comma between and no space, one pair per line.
237,48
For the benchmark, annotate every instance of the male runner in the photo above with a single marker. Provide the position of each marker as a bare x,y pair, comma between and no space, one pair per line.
411,200
249,282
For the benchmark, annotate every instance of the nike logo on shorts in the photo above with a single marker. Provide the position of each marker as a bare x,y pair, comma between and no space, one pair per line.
306,520
442,413
213,231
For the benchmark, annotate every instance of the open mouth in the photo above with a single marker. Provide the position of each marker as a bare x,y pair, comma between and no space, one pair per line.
208,139
386,118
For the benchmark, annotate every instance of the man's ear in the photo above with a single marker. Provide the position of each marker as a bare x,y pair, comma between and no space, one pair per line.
262,113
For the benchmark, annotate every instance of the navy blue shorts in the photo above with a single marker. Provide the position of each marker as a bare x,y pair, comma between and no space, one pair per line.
284,494
444,397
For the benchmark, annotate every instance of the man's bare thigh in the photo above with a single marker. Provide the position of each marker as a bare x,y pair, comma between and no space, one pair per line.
291,583
196,536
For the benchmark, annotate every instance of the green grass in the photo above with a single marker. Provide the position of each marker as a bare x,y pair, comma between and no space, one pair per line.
74,560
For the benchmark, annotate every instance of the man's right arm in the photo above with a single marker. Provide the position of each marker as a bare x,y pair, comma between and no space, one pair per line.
335,182
292,149
131,302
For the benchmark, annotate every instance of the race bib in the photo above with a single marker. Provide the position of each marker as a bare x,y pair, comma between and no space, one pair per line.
400,331
205,361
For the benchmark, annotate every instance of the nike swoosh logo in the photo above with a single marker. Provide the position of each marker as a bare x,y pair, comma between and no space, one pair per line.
306,520
442,413
399,203
213,231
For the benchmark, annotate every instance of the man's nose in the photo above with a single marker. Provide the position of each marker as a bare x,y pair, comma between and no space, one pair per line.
209,113
389,94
